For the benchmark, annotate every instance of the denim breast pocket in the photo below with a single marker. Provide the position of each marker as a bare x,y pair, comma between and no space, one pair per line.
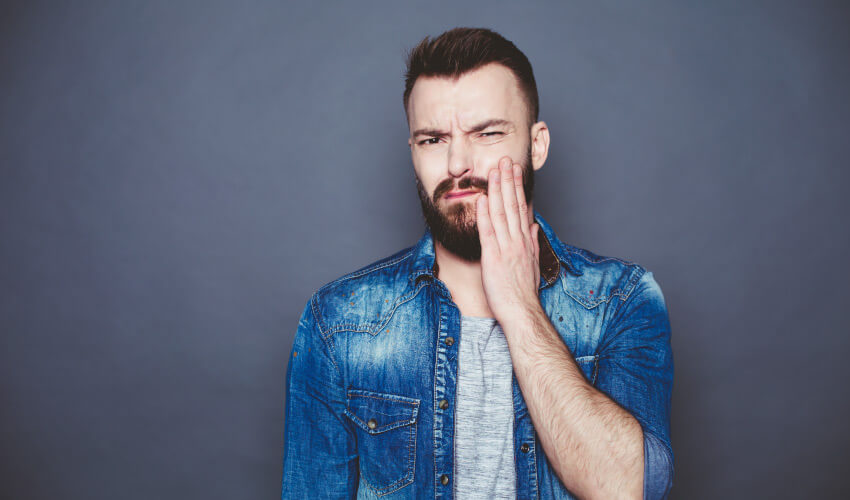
386,438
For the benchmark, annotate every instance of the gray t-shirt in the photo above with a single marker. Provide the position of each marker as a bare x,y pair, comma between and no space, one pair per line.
484,416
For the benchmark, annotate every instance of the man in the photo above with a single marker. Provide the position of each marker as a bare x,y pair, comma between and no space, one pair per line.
490,360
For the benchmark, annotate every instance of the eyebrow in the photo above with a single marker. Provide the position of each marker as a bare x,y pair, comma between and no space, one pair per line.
475,128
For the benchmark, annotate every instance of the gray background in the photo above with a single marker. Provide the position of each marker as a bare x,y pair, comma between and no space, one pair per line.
177,178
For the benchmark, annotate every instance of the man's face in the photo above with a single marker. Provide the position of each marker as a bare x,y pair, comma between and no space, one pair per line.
459,131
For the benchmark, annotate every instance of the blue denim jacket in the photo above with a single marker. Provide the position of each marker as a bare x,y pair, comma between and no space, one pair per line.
372,375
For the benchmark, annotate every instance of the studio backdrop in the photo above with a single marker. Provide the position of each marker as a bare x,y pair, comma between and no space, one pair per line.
177,178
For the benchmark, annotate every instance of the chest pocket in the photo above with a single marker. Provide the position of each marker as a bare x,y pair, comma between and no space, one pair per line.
386,438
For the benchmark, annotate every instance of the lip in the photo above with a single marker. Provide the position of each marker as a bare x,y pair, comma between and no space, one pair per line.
459,194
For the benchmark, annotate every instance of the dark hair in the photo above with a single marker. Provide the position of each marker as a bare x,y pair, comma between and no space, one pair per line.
461,50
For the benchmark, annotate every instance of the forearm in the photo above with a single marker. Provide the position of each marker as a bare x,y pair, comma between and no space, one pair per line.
594,445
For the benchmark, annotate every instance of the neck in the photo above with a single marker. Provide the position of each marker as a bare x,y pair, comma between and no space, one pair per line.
463,279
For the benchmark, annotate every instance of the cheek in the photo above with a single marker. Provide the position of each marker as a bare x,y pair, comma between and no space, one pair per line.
488,158
429,172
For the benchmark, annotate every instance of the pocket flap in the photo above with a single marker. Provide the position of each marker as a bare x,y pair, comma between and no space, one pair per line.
377,412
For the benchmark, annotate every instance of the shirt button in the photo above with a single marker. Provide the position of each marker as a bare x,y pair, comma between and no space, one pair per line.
372,423
444,404
449,341
444,479
524,448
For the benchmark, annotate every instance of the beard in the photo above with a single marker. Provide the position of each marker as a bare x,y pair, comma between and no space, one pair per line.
456,228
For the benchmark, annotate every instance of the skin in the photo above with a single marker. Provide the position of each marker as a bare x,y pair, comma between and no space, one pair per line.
593,444
490,92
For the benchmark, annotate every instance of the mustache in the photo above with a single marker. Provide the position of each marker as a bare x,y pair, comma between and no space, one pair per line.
475,183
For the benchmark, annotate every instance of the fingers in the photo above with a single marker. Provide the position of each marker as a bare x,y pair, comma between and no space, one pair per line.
486,233
507,206
520,198
509,198
496,206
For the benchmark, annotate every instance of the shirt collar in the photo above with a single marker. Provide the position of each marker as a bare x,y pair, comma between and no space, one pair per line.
552,254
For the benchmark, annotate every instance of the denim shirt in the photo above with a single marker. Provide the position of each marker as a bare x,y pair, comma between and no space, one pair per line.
372,375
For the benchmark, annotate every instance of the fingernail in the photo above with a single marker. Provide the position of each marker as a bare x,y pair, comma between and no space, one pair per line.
496,174
517,170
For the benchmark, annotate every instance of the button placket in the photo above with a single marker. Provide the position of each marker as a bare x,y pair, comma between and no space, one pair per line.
445,374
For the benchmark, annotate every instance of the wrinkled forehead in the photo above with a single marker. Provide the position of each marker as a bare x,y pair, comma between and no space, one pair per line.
489,92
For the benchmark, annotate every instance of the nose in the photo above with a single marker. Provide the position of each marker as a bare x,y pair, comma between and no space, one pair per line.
460,158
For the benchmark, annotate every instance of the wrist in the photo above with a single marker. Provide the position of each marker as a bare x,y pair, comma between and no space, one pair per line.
522,317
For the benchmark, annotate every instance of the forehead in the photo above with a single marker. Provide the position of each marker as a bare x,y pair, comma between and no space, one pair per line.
491,91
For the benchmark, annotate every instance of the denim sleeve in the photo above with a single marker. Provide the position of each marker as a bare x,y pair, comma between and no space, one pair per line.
319,457
636,370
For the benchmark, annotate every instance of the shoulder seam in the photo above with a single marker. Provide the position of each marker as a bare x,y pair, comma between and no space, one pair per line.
603,258
314,306
637,275
368,269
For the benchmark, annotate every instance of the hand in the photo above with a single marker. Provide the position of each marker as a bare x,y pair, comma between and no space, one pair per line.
509,250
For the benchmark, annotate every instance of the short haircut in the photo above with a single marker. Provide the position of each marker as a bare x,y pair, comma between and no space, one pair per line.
461,50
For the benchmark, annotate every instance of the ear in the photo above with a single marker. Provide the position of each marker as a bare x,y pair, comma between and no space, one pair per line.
539,144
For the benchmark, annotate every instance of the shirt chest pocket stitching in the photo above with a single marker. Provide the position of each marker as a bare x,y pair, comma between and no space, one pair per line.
386,434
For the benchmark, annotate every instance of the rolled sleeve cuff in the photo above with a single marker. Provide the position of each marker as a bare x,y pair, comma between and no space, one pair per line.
658,468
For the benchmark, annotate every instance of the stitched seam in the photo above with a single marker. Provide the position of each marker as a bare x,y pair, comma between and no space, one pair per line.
591,305
637,275
412,403
407,476
351,327
434,401
383,491
536,479
368,485
392,487
632,284
587,258
378,430
328,346
314,306
616,292
386,490
411,469
367,270
347,277
386,427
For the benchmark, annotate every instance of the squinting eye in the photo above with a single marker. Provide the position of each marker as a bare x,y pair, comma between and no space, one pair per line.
488,133
426,141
